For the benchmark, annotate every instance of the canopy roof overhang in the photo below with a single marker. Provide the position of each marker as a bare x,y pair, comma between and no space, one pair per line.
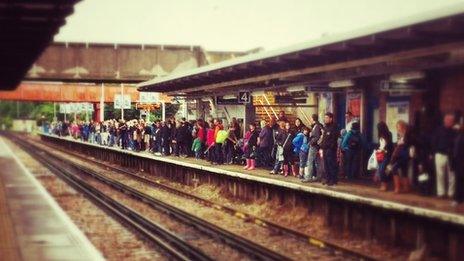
26,29
423,42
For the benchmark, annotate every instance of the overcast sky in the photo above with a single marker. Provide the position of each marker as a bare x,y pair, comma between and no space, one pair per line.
230,25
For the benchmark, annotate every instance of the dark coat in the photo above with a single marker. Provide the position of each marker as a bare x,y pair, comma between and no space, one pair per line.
330,137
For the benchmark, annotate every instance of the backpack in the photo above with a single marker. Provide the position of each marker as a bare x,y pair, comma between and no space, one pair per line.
355,142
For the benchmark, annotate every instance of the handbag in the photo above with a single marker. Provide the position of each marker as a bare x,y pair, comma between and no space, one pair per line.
380,155
372,164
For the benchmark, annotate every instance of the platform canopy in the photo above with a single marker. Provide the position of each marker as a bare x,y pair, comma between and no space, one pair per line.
423,42
26,28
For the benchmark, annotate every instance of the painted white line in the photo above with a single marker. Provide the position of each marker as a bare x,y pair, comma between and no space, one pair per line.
73,229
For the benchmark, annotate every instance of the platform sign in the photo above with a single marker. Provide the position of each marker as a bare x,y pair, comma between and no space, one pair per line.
221,101
149,97
62,107
397,110
75,107
122,101
89,106
244,97
83,106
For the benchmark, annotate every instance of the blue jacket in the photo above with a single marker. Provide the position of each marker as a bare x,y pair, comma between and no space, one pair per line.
300,143
345,145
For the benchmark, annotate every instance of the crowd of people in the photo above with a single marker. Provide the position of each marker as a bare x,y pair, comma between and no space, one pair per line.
319,152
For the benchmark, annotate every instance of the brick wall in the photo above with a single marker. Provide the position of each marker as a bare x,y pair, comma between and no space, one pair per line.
452,92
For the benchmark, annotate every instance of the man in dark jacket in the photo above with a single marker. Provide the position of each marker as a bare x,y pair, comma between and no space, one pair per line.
329,149
310,173
265,145
182,138
166,138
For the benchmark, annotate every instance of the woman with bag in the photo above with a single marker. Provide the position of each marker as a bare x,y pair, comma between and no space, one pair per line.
281,138
249,147
289,156
383,154
398,166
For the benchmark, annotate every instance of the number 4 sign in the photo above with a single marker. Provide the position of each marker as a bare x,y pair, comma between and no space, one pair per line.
244,97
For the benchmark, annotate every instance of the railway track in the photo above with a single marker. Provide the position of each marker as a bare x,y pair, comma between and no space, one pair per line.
323,244
170,242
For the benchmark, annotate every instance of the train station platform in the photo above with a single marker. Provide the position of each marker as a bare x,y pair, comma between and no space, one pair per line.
366,194
32,225
360,210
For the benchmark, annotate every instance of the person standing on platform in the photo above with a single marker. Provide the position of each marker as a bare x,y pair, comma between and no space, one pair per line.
196,148
249,147
92,132
139,136
123,134
201,135
282,116
182,138
301,148
352,145
284,155
310,172
166,138
157,137
442,149
210,142
328,151
217,148
399,163
298,126
280,138
458,166
383,153
265,144
237,129
146,135
350,119
230,144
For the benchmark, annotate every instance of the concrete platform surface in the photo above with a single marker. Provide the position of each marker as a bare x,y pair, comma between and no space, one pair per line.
411,203
32,225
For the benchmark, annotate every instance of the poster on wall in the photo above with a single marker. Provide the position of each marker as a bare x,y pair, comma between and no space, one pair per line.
353,103
398,110
325,104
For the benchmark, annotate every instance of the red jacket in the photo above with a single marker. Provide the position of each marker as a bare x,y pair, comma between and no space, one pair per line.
201,134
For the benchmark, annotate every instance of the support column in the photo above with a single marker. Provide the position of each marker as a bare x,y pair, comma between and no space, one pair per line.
102,103
199,110
249,117
122,98
163,111
97,112
54,112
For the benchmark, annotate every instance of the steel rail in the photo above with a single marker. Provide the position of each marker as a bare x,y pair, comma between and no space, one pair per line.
248,247
176,247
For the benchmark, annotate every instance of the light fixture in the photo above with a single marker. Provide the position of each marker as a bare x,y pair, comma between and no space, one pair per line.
257,93
297,88
229,97
407,76
341,84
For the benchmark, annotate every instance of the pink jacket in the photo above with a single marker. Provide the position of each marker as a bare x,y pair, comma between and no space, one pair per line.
210,137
